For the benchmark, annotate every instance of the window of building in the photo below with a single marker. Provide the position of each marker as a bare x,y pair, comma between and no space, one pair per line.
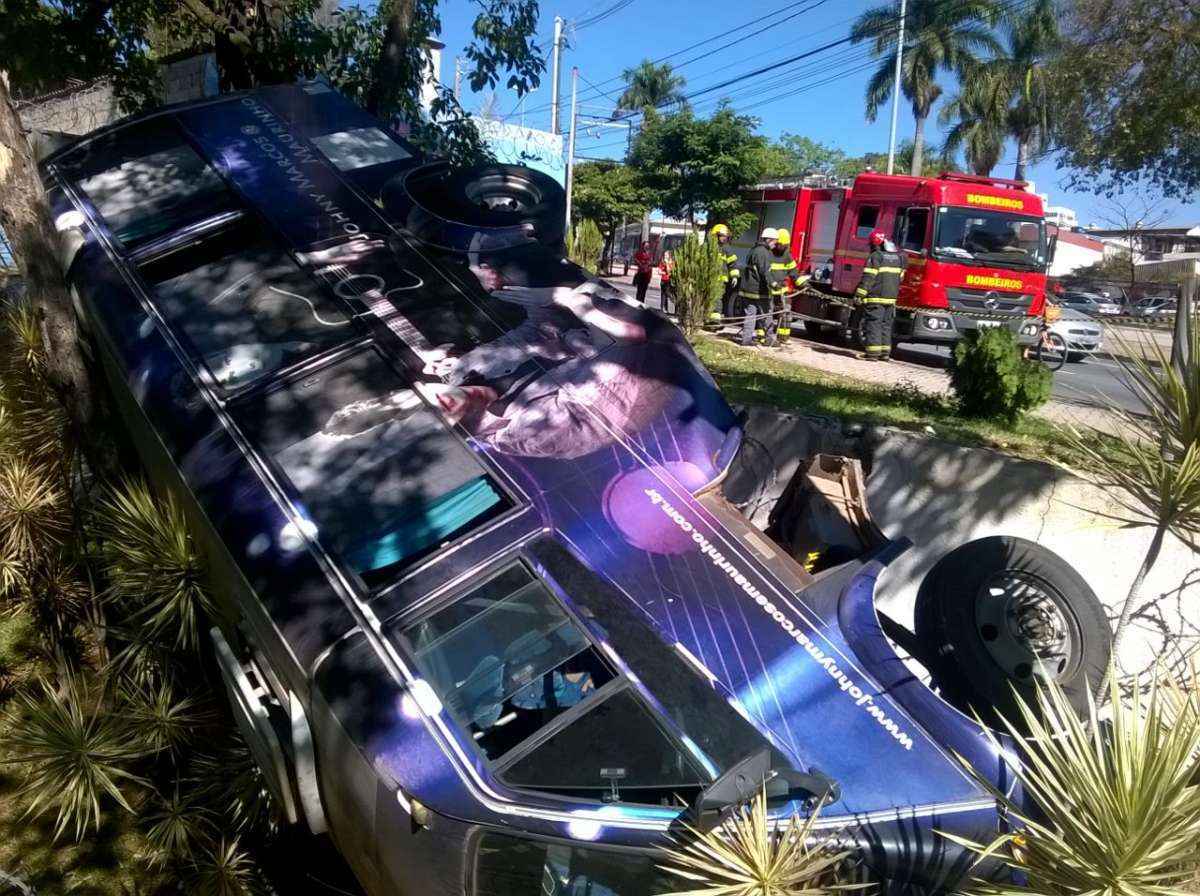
912,226
868,217
382,481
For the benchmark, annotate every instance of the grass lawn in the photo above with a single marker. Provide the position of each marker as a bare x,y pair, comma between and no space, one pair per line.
751,377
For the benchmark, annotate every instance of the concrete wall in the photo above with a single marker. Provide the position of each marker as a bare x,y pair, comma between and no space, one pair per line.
941,496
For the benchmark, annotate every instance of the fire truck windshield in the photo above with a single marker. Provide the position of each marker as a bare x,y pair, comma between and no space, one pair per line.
991,238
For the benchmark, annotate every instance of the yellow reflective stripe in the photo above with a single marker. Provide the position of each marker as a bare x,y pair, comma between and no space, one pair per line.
877,348
870,270
778,266
890,270
876,300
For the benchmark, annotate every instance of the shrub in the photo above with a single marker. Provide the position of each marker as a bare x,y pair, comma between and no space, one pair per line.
699,280
992,380
585,245
1118,810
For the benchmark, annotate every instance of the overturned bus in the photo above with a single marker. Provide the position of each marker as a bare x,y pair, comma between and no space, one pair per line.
490,622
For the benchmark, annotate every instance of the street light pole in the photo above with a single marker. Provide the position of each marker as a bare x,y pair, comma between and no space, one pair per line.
558,27
571,144
896,90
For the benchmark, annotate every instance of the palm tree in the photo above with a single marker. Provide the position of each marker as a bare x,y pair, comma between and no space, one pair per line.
651,85
978,122
938,36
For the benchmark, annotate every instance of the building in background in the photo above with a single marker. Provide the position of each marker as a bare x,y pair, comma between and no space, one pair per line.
1152,243
1074,251
1061,216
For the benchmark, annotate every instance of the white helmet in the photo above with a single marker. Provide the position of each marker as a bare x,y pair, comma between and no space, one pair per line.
769,233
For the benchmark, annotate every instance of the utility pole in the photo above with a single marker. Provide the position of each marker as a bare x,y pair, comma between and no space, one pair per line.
558,29
458,78
896,90
571,144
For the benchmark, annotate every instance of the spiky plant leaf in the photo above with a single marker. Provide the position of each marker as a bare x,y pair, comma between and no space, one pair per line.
155,573
179,829
226,870
746,855
230,783
164,720
33,510
13,582
1118,809
74,755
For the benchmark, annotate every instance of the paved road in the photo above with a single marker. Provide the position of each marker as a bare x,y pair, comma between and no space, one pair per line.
1094,382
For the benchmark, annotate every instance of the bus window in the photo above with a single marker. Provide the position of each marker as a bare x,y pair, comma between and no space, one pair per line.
157,189
380,478
244,307
511,866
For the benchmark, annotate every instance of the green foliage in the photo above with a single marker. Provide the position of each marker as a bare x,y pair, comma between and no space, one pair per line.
991,380
585,243
698,279
653,85
607,192
164,720
75,754
1119,806
938,37
179,828
154,573
745,855
977,120
225,869
1127,91
693,165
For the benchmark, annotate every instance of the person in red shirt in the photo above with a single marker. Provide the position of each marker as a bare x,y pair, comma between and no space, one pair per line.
645,266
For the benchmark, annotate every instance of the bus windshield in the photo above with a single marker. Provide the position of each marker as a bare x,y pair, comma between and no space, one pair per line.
991,238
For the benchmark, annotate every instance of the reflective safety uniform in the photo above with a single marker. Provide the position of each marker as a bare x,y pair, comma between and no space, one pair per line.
781,270
729,295
754,294
877,292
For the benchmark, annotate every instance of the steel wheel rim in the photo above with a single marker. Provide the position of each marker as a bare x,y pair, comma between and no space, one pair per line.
1027,627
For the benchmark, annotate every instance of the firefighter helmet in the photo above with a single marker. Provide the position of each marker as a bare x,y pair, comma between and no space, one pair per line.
719,230
785,237
769,233
877,238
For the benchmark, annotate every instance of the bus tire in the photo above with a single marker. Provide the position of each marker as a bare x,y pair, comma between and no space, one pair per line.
1002,613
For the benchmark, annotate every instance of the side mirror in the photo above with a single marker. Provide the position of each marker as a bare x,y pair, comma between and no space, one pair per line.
1051,248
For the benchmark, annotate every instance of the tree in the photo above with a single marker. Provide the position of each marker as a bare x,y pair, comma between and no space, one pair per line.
1131,213
607,193
374,53
794,154
977,124
938,37
651,85
1127,92
1012,88
695,165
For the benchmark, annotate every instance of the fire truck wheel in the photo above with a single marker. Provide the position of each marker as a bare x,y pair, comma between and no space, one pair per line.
1001,614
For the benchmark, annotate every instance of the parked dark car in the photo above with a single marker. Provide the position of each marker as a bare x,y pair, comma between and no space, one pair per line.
491,623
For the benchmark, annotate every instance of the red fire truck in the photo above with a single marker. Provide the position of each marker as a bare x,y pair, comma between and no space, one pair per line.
976,247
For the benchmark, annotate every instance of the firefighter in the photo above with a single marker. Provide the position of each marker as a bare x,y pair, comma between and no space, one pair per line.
877,294
754,289
729,296
784,270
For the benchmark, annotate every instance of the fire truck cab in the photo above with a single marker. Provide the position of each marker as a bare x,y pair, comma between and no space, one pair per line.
976,247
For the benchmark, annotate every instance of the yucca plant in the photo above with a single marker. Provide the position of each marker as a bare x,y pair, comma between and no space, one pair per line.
1118,809
746,856
225,870
34,517
699,281
74,753
1152,466
154,572
228,781
164,720
179,829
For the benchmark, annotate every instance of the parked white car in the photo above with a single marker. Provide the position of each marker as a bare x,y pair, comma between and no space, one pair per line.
1090,303
1083,334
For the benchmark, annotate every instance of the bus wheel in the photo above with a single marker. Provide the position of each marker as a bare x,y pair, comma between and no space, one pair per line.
1003,614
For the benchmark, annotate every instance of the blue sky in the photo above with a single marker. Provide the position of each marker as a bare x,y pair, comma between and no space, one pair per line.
821,97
